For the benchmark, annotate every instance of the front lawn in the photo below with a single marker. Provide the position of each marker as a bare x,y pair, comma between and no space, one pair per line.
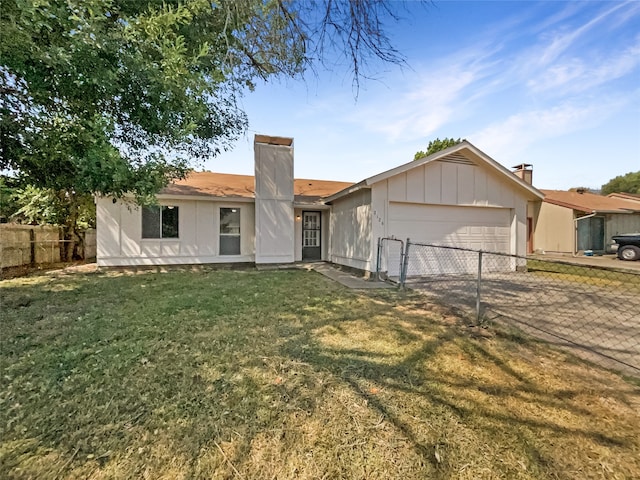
285,374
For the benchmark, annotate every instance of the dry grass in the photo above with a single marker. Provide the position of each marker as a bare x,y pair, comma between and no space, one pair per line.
262,375
590,275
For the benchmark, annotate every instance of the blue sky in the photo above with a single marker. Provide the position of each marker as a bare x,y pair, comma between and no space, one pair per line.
555,84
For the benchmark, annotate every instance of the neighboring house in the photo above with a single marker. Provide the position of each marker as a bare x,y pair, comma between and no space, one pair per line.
459,196
625,196
573,221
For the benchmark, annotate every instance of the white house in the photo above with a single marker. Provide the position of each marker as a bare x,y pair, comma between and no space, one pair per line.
458,196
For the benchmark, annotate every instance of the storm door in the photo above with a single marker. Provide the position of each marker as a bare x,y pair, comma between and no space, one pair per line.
591,234
311,236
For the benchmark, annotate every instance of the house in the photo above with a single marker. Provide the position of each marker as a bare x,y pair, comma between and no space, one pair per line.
626,196
459,196
571,221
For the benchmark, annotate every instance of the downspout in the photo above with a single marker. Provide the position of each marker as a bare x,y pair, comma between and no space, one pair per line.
575,230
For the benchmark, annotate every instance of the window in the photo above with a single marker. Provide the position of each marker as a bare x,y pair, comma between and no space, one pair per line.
229,231
160,222
311,229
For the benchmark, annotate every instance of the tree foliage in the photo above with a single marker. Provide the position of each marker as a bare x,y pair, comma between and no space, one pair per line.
28,204
629,183
46,206
8,202
119,96
436,146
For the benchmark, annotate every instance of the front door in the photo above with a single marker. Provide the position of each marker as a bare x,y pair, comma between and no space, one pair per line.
311,236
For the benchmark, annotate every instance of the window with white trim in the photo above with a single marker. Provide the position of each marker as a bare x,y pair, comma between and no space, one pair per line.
160,221
229,231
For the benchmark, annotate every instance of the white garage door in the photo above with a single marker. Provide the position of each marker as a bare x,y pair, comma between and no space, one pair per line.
478,228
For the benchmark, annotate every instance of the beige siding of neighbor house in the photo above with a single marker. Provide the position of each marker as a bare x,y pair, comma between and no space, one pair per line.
554,229
120,242
350,231
450,183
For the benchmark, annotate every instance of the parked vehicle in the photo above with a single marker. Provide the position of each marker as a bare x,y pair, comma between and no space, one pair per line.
628,246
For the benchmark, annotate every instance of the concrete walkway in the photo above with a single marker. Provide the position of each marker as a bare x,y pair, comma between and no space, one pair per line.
345,278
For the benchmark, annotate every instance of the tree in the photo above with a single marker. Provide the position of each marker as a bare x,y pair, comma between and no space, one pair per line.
38,206
435,146
117,97
74,213
629,183
8,203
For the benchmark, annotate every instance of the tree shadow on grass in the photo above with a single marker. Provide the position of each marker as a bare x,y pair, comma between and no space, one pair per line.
169,374
470,401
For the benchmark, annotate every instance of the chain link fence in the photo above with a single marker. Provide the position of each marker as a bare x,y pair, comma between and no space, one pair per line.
593,311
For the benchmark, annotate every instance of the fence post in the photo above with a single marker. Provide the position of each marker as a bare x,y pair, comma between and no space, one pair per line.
404,259
32,244
378,258
478,287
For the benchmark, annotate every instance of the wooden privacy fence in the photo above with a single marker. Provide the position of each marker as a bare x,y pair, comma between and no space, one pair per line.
36,244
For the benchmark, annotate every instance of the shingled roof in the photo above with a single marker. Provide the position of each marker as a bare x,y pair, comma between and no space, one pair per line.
243,186
589,202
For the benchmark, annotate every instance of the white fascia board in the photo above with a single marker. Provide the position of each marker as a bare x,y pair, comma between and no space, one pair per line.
622,212
477,154
508,174
311,206
346,191
161,196
209,198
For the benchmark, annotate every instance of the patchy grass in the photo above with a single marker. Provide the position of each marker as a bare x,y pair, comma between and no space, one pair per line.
589,275
261,375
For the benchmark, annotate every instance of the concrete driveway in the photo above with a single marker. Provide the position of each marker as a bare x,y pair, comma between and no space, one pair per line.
598,319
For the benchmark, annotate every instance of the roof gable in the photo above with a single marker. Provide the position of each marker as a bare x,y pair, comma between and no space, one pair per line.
464,153
626,196
590,202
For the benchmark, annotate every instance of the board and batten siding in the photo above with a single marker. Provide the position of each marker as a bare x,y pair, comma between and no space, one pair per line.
451,183
274,211
120,242
350,231
620,223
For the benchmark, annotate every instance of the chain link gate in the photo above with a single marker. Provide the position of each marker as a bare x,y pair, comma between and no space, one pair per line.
390,259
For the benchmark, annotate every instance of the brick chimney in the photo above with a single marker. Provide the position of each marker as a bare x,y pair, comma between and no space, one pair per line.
524,172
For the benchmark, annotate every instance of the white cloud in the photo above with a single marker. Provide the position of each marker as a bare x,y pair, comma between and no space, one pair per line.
581,74
521,130
430,98
561,41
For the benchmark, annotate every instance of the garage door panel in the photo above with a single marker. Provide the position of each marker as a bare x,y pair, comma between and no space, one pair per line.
477,228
